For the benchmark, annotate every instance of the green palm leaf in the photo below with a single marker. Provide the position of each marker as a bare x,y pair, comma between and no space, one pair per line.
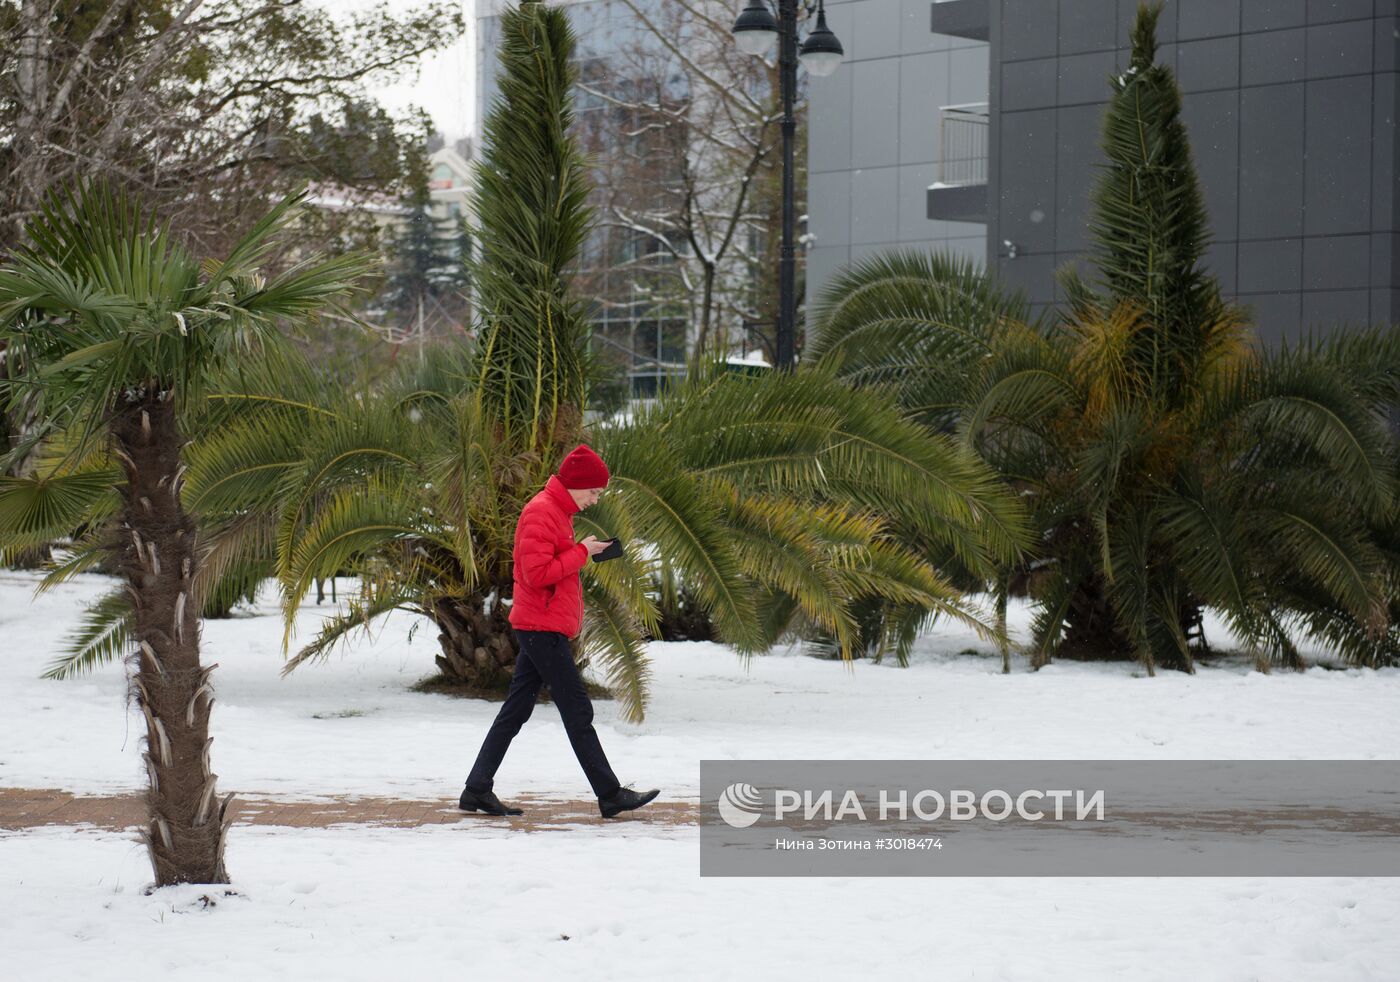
104,636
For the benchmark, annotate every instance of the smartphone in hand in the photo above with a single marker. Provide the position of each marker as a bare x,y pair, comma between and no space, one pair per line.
613,551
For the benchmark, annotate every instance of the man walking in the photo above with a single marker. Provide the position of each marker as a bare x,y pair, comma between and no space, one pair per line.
547,614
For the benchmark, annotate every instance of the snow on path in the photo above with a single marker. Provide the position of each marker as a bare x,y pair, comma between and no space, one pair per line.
352,727
350,904
406,904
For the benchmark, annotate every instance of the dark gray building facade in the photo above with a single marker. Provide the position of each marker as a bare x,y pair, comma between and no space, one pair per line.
1291,109
876,141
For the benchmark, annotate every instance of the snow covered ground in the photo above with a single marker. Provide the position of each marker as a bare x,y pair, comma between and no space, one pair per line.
479,899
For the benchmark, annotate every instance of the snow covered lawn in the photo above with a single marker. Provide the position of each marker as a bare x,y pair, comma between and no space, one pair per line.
477,899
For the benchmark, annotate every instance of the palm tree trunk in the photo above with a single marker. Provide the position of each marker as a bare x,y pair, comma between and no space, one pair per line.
187,825
478,649
682,617
1091,628
1003,641
1092,632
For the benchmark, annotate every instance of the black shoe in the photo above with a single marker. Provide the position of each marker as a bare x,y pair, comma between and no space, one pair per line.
624,800
486,802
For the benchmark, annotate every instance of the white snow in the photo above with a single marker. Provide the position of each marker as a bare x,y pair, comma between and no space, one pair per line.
478,899
755,357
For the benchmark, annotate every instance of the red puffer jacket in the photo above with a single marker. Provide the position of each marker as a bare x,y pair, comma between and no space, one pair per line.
548,595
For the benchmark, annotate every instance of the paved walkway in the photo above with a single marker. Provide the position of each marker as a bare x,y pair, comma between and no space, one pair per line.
27,808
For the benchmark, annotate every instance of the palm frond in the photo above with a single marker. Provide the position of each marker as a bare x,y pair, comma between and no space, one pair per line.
104,636
1211,547
921,322
105,300
669,508
1339,560
82,556
38,510
359,614
355,520
612,636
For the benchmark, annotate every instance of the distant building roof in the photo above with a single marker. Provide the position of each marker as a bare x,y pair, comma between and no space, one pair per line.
459,169
338,197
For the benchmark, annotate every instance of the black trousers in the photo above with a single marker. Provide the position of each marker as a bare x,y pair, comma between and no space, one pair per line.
545,659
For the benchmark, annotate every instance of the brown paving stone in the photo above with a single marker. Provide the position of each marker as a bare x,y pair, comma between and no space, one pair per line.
26,808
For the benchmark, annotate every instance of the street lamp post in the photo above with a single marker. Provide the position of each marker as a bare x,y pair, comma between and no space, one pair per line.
821,54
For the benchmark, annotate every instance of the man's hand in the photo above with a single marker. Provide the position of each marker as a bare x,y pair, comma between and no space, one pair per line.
593,546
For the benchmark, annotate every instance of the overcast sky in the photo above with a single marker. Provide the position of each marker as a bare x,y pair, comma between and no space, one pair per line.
445,84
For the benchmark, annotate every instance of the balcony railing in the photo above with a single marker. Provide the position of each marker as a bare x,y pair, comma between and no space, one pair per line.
963,145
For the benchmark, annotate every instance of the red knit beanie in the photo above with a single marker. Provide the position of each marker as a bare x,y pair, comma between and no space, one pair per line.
583,469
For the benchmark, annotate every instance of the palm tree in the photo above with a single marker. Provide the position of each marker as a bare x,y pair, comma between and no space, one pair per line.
768,498
407,486
1170,464
529,201
781,454
72,500
918,324
119,329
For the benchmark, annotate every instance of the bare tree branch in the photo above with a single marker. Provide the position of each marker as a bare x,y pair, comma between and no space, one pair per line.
153,62
686,130
83,60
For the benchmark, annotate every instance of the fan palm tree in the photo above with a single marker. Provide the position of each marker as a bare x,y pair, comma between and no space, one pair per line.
119,328
1170,464
72,499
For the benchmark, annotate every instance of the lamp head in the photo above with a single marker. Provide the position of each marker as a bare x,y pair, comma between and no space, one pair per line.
822,52
756,29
